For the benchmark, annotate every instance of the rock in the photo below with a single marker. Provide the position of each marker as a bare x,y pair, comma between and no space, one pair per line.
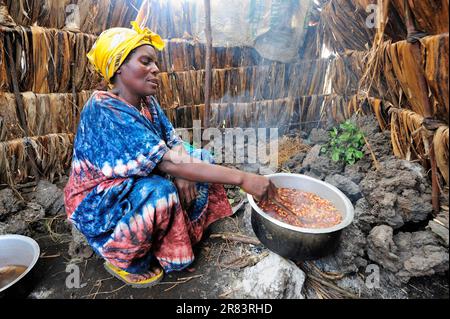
24,221
50,197
381,248
364,217
79,247
34,215
303,135
9,203
347,186
367,124
312,155
385,288
407,255
349,257
320,166
357,171
380,143
440,230
294,164
15,225
249,167
325,166
272,278
247,221
319,136
33,212
421,255
398,193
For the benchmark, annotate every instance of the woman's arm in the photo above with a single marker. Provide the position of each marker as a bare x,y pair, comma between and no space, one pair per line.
182,165
187,190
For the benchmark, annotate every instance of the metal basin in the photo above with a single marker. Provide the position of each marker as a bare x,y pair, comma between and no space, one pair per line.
18,250
298,243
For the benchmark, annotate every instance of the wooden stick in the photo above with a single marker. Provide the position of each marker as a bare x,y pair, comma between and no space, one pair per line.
182,281
375,161
74,99
19,103
20,109
208,72
333,286
434,180
237,237
416,51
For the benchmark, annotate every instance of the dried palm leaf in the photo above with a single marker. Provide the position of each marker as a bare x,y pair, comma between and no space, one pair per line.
53,155
435,49
409,139
430,16
408,70
9,123
4,80
379,110
41,60
13,162
5,18
441,150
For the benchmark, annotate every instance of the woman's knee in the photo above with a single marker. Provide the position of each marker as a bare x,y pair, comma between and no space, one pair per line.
164,186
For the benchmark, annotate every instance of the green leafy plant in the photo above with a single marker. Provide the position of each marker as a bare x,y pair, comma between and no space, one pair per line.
345,144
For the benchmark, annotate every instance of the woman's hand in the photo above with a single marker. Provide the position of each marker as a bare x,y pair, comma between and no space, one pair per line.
258,186
187,191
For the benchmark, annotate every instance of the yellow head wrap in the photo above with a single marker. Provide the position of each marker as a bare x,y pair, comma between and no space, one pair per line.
113,46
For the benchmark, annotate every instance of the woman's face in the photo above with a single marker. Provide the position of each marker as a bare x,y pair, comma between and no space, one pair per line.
139,73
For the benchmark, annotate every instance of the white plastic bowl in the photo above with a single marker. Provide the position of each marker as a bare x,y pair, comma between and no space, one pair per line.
18,250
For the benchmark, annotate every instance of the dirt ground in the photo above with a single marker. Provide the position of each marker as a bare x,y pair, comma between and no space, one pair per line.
393,228
205,278
210,276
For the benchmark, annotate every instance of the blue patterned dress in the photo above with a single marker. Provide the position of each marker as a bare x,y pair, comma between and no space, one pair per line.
127,209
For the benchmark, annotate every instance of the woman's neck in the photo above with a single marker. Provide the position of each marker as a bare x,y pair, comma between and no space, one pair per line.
132,99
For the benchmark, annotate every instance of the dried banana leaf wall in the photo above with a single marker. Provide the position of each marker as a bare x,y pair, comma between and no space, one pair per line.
247,90
369,72
48,46
405,84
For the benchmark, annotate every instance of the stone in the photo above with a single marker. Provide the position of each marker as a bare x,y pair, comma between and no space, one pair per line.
9,203
440,230
294,164
397,193
50,197
79,247
345,185
364,217
24,221
319,136
247,221
421,254
349,256
272,278
381,248
320,166
312,155
357,171
407,255
367,124
15,225
380,144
